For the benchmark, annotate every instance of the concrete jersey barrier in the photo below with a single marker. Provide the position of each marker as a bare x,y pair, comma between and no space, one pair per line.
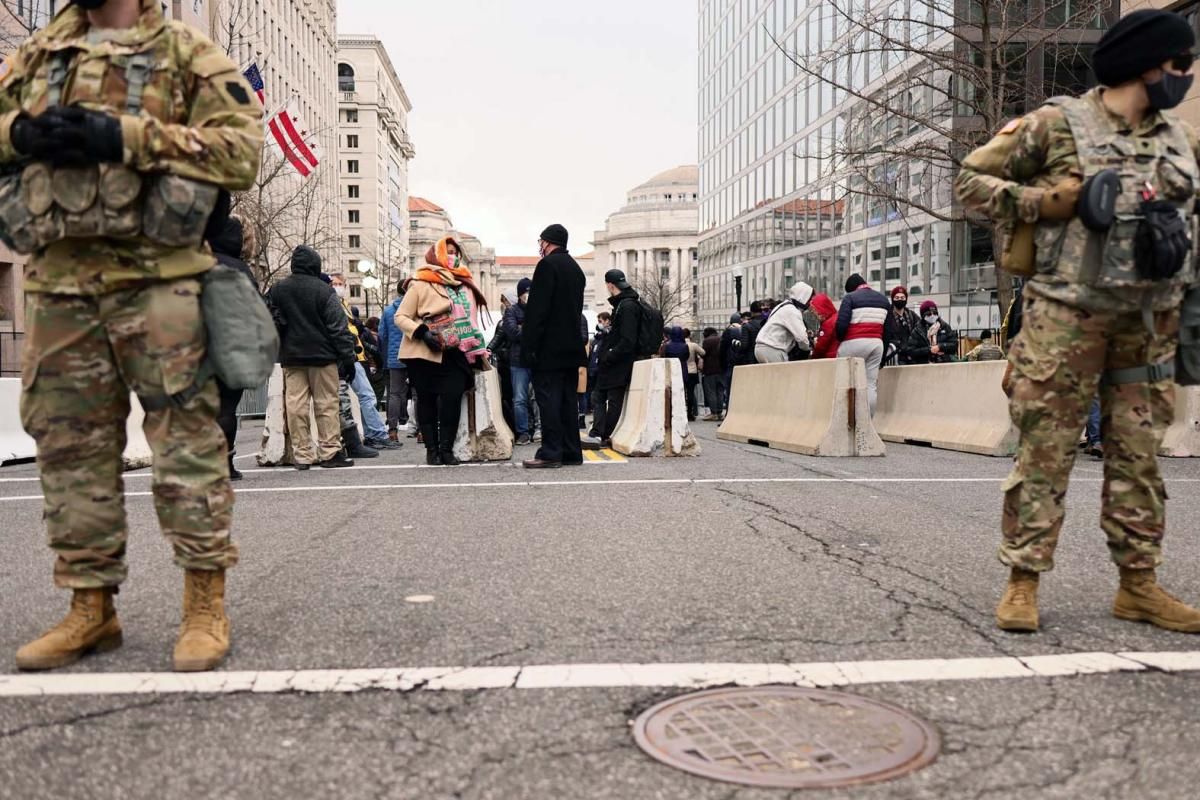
654,418
815,408
1182,439
275,449
15,443
949,406
483,435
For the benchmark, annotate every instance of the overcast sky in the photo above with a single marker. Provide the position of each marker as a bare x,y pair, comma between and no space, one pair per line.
527,112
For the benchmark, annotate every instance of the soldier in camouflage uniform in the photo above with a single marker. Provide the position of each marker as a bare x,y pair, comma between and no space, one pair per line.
118,128
1091,320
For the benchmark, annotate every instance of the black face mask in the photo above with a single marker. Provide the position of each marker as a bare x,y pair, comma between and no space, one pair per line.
899,304
89,5
1169,92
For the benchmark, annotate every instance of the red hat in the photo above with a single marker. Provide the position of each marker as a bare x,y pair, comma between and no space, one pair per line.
899,290
928,304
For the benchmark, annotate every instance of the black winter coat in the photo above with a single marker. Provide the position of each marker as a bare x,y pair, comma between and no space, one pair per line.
918,344
621,344
550,338
898,331
226,243
314,332
512,324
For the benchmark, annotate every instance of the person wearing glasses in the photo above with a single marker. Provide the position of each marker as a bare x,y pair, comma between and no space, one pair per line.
1107,181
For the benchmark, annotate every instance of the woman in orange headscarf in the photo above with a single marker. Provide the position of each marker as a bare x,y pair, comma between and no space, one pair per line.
442,341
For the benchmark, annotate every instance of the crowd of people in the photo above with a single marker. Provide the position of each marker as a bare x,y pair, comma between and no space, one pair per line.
422,355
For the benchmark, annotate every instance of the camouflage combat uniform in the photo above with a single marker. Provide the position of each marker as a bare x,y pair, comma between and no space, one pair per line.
110,315
1086,315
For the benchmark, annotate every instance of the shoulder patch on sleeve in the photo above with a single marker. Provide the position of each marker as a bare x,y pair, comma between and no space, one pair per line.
1012,127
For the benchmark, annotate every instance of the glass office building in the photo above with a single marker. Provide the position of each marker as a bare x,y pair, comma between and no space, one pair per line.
793,185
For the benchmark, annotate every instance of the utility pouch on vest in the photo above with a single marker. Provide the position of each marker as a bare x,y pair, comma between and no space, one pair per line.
1097,205
242,344
1019,255
15,216
1187,356
176,210
1161,244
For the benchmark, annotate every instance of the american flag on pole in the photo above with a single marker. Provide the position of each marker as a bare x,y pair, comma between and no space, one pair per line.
294,139
252,74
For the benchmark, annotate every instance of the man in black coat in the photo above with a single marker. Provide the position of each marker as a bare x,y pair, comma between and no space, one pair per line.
316,346
616,362
553,347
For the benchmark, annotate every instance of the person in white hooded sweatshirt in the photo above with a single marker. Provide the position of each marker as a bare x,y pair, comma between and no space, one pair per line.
785,328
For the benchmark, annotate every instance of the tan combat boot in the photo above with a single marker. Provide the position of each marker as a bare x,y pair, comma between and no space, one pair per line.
90,626
1141,599
204,633
1018,610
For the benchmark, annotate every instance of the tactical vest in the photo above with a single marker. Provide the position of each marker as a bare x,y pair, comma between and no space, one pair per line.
1164,162
41,204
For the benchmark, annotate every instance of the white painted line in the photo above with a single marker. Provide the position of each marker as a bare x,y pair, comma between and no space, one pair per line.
626,482
592,676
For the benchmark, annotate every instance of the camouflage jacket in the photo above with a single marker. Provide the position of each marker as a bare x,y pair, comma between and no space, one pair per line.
1006,178
199,119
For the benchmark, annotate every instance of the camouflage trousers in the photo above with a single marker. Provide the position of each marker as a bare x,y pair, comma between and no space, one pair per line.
82,358
1057,361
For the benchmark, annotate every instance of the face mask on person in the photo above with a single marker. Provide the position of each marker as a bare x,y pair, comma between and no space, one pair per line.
340,291
899,303
1168,92
90,5
931,318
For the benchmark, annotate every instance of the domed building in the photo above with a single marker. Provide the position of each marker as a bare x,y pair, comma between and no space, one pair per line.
653,238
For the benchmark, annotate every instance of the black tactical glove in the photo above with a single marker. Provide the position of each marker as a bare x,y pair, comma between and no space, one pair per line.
431,340
30,136
79,136
346,370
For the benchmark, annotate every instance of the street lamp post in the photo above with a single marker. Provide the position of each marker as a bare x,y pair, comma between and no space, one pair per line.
370,282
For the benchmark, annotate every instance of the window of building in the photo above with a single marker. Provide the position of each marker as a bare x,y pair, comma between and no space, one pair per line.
345,78
352,166
355,290
354,241
413,224
352,141
352,191
351,115
353,215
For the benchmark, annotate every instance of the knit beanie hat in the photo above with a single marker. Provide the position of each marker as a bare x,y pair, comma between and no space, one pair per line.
555,234
523,286
854,281
1138,42
928,305
899,290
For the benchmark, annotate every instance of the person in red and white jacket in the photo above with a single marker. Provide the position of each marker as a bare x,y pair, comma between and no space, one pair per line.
860,328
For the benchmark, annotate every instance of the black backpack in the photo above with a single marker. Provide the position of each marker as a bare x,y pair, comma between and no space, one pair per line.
650,330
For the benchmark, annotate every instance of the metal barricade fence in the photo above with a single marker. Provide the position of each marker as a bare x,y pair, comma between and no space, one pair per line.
254,403
10,353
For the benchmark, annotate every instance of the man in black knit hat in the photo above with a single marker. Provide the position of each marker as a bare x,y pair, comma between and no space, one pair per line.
552,345
1094,195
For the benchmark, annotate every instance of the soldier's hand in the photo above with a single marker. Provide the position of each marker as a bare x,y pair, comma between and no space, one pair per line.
81,136
1058,202
30,136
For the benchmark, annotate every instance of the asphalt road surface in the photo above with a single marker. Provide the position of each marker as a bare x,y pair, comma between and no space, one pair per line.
740,556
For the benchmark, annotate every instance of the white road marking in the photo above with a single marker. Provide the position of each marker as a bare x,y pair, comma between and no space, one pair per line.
593,676
627,482
419,598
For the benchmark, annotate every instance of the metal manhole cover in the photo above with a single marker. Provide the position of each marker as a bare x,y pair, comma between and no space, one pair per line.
786,737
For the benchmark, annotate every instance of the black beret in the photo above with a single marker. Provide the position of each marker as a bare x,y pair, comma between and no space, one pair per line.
1140,42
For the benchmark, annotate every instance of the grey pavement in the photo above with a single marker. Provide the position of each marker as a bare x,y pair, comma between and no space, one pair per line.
603,563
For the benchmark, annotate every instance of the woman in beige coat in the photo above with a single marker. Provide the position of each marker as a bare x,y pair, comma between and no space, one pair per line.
438,316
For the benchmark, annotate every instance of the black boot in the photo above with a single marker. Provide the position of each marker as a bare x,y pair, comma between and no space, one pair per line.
429,438
354,446
234,475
